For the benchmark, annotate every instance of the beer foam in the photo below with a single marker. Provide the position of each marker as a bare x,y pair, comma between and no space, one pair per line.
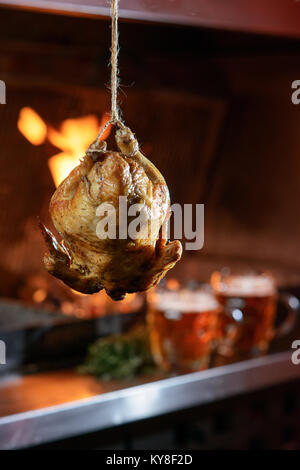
186,301
247,286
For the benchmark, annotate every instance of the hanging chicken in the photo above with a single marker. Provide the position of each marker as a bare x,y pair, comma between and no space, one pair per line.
89,261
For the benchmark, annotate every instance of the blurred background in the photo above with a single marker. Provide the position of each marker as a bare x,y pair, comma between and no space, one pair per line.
207,90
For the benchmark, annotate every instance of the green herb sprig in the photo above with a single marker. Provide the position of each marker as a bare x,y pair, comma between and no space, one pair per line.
119,357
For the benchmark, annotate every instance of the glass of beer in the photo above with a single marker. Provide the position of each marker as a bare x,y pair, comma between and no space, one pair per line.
183,326
249,302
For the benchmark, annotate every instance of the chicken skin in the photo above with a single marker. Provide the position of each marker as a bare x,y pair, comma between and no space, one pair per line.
88,258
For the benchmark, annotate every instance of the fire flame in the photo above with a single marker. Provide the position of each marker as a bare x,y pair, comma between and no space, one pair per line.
73,138
32,126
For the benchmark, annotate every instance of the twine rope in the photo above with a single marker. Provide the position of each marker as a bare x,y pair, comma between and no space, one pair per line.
114,60
114,78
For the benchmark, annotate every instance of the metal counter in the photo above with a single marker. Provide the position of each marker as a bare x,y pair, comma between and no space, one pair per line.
47,407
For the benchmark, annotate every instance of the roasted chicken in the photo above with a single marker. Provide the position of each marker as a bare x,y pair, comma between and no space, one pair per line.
89,261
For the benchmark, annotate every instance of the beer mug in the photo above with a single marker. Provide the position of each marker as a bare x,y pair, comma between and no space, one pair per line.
183,326
247,318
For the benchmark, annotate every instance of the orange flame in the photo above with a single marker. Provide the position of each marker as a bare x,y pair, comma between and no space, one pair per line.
73,138
31,125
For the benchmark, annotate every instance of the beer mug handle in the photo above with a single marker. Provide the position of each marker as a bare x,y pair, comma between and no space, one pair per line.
292,305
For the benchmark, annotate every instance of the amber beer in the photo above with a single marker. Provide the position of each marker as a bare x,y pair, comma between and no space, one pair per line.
248,312
183,328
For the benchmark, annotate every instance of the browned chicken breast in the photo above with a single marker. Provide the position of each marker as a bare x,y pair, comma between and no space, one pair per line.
89,259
